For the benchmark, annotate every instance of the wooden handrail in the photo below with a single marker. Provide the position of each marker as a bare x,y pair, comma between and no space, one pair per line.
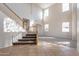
13,12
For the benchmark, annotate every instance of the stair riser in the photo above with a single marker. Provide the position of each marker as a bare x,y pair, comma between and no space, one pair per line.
23,43
26,40
28,37
30,34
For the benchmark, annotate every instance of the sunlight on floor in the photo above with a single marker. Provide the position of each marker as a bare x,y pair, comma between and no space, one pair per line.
63,42
48,44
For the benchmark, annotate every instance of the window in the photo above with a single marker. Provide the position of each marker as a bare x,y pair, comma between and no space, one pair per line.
11,26
8,25
40,15
31,23
46,27
46,12
65,7
65,27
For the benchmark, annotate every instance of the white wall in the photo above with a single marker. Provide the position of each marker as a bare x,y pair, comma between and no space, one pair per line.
21,9
36,12
5,38
26,10
74,21
55,19
10,14
78,26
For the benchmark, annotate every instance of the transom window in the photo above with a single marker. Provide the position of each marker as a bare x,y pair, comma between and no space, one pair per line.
65,7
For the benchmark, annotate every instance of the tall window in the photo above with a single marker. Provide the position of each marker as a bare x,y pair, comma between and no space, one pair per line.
46,27
65,7
46,12
65,27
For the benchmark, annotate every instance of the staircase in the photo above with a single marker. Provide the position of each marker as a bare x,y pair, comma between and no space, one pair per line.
27,39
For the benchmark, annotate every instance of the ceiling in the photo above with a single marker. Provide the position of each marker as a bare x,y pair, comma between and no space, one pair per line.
45,5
